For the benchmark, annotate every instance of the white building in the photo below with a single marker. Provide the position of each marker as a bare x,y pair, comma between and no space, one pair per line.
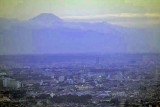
11,83
61,78
70,81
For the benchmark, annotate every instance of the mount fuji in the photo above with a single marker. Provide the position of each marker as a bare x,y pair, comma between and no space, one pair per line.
49,34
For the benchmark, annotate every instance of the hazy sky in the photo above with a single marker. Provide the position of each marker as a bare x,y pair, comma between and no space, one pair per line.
123,12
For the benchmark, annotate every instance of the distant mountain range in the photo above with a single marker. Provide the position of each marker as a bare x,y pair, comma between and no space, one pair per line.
47,34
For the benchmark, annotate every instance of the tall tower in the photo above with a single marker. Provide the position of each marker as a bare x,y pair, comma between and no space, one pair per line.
97,63
157,75
157,79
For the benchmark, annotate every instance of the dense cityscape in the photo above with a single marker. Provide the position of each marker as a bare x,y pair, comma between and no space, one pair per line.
118,80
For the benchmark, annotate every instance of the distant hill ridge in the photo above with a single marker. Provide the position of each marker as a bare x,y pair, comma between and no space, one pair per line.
48,34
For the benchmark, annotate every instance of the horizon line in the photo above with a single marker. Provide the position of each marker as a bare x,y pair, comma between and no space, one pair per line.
78,53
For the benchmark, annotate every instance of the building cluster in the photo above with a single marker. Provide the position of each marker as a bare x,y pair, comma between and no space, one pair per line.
114,83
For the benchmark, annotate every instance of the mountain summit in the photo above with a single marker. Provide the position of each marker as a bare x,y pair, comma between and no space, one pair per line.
48,34
46,18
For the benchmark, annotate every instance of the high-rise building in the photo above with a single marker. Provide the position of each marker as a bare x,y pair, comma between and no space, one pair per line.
157,78
1,83
157,74
97,61
70,81
11,83
61,78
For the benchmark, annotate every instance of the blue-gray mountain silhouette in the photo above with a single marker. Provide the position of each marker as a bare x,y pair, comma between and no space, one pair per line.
47,33
46,18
